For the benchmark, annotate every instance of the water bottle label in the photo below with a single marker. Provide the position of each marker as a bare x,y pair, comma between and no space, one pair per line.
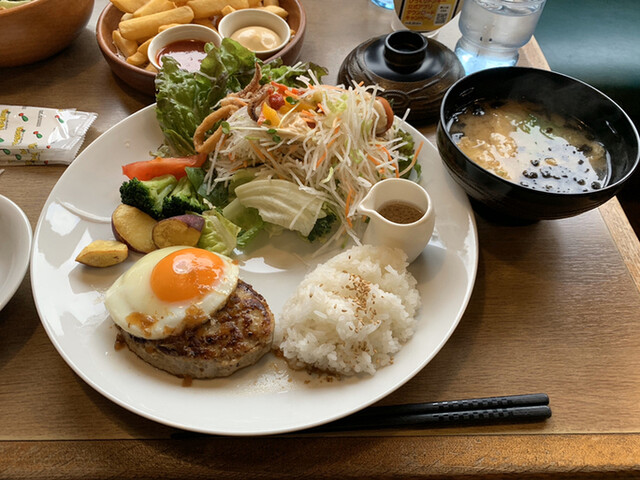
426,15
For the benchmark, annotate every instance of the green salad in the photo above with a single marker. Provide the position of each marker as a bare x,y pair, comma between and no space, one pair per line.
289,153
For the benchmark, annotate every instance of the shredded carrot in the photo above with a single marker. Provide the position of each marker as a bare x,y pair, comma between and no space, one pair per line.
336,130
279,86
287,90
373,159
361,83
397,165
257,150
346,207
322,109
321,159
384,149
331,142
413,160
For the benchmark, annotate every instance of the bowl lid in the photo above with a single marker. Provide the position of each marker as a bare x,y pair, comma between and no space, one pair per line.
414,71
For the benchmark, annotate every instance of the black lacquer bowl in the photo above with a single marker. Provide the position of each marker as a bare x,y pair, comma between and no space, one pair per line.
414,72
559,93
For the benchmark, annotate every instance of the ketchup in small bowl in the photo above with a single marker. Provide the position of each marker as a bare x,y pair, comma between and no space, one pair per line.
185,43
188,53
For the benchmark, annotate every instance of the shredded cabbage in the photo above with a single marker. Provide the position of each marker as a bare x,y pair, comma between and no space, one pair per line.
281,202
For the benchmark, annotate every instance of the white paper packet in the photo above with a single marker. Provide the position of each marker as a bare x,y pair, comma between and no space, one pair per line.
41,136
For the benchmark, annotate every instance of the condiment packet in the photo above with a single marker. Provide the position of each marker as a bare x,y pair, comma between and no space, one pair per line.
41,136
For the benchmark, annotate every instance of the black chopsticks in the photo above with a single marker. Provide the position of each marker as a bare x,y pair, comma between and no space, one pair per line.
506,409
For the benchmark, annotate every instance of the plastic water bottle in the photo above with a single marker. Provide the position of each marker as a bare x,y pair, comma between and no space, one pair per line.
388,4
494,30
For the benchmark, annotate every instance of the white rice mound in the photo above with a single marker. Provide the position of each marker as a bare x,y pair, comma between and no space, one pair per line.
350,314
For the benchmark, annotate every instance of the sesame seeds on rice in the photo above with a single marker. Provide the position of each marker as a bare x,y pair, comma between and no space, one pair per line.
351,314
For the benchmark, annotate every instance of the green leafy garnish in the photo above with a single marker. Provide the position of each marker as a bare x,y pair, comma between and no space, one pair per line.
274,135
185,98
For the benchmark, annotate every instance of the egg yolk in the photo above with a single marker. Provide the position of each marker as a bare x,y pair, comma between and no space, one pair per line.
186,274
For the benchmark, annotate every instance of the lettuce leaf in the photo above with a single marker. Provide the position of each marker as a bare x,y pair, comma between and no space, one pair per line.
282,203
185,98
287,75
218,197
248,219
218,235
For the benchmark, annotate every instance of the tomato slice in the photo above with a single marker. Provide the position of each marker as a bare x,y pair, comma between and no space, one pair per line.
156,167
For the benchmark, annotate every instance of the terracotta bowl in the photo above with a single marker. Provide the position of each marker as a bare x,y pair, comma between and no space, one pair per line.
510,202
39,29
143,80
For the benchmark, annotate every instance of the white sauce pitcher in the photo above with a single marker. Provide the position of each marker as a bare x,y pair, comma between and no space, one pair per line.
410,237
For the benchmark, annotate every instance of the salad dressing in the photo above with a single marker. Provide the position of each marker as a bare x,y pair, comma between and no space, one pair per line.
400,212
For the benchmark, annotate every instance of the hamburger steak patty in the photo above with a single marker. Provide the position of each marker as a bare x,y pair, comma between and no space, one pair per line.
237,335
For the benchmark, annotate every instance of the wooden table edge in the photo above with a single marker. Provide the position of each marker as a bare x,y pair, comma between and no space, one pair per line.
612,213
623,236
362,456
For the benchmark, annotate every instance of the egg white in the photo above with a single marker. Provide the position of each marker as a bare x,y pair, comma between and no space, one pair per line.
131,294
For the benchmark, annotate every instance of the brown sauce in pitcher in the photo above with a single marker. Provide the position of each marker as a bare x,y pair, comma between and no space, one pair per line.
400,212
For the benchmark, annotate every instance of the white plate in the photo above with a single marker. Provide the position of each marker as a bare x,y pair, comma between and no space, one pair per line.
267,397
15,246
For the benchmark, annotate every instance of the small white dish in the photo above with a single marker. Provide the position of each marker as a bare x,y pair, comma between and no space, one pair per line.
177,34
15,248
252,17
410,234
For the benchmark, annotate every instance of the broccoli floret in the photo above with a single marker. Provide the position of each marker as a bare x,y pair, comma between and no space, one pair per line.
148,195
322,226
183,198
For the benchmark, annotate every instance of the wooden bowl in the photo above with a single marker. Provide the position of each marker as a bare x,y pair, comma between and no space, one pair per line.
39,29
144,81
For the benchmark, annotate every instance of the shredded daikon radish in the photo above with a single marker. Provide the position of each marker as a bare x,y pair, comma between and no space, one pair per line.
326,144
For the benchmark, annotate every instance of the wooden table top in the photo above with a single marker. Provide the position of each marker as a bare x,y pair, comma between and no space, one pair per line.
555,309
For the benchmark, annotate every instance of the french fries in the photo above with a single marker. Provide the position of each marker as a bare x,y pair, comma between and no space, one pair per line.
128,6
144,19
127,47
154,6
227,10
281,12
143,28
210,8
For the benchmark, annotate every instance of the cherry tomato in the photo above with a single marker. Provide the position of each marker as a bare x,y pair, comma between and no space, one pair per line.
276,101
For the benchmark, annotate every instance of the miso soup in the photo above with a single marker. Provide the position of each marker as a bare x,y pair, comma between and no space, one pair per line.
521,142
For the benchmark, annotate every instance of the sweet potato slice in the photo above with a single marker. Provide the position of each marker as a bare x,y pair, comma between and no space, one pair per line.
179,230
133,227
103,253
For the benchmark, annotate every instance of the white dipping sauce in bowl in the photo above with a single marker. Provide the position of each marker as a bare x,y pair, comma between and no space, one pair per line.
260,31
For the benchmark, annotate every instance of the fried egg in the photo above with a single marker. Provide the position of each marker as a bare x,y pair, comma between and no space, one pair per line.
170,290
